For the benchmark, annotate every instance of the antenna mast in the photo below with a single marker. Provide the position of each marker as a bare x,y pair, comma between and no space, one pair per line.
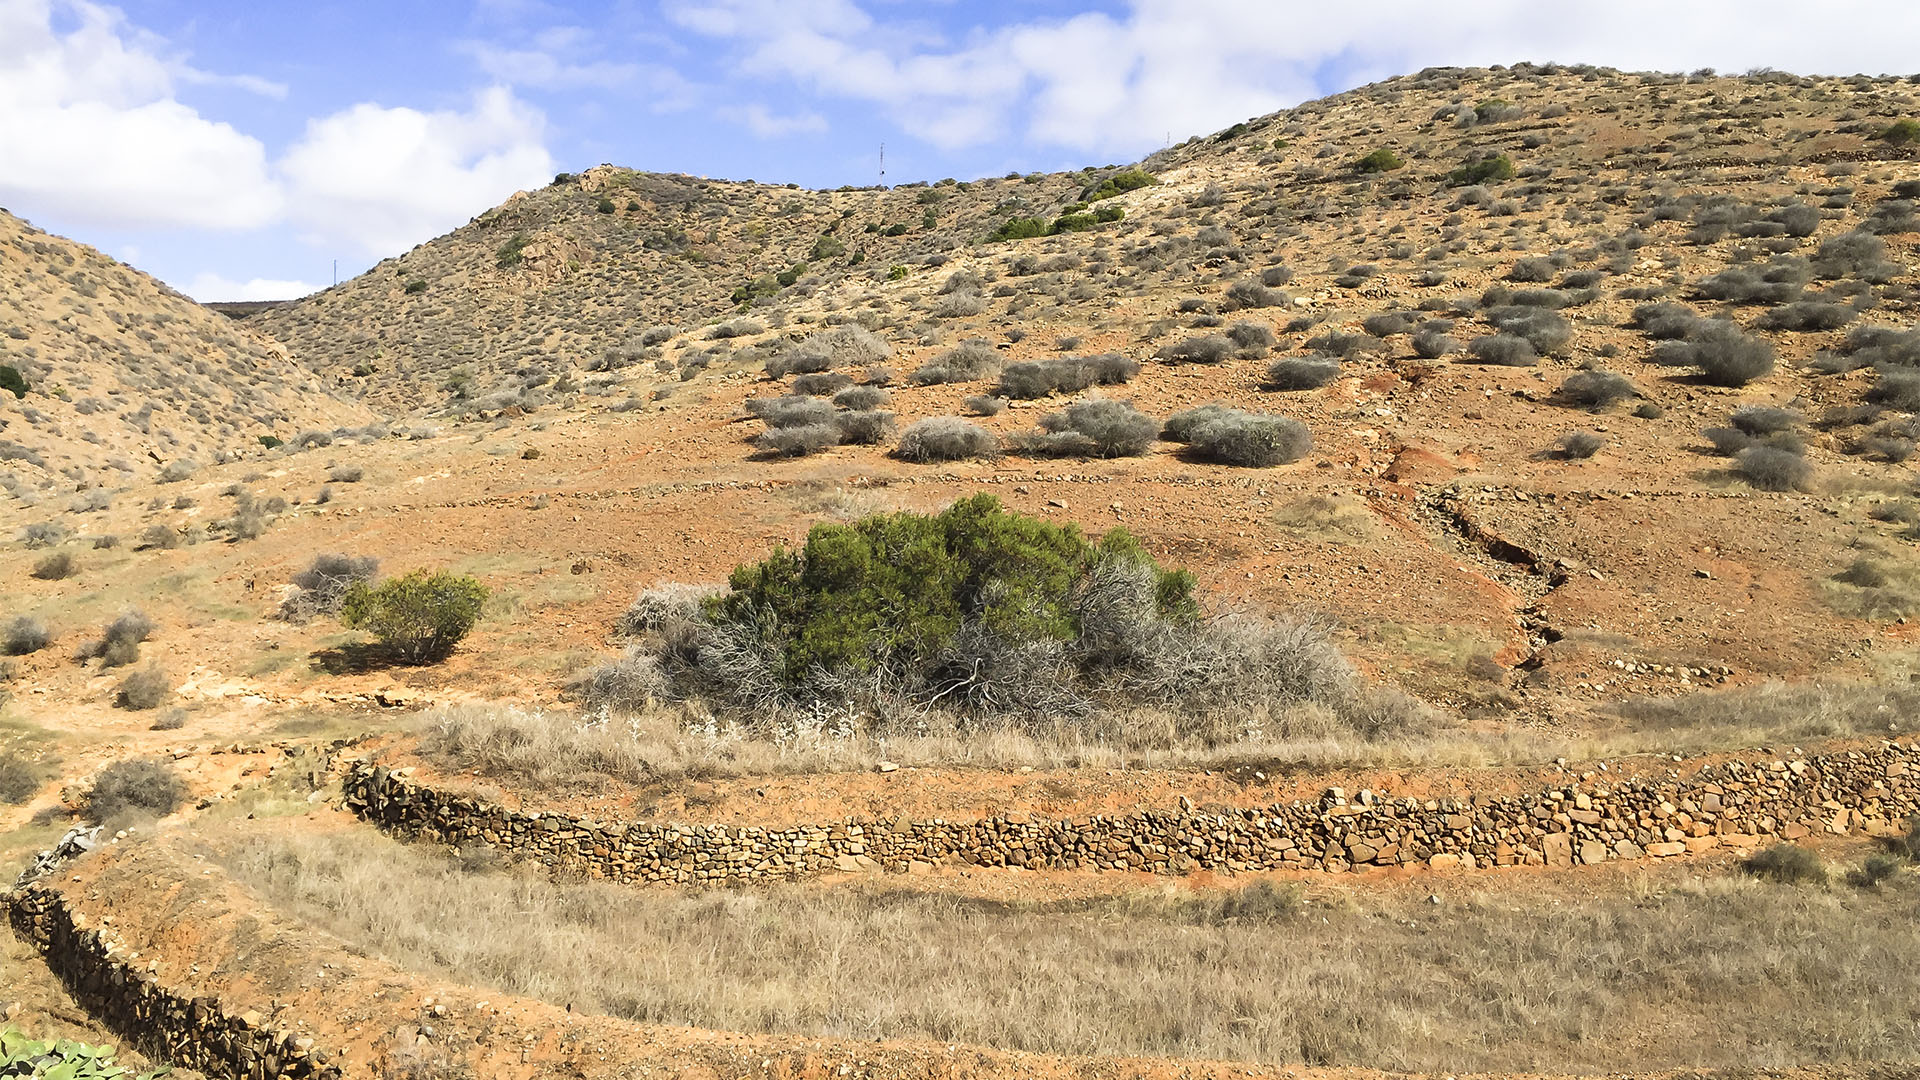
883,164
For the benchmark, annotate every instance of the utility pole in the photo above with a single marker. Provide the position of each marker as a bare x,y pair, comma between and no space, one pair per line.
883,164
336,271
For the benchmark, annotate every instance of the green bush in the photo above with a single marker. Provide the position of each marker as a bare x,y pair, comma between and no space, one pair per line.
827,247
605,206
509,254
419,616
1900,132
1020,228
11,380
1497,167
896,590
1381,160
1074,223
415,287
1120,183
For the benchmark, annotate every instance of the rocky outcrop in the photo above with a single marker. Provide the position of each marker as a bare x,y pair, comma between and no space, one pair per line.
1727,802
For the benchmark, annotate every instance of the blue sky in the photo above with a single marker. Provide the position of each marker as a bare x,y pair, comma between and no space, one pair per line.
237,149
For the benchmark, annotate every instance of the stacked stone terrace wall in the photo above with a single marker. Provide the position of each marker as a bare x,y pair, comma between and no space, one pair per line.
169,1026
1737,801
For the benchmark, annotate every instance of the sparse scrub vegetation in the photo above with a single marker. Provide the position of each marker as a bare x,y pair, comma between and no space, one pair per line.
945,438
1096,427
144,689
1230,436
1302,372
1595,389
136,788
25,635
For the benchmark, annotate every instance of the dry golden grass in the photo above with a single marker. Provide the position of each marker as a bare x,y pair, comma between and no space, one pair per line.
536,750
1723,972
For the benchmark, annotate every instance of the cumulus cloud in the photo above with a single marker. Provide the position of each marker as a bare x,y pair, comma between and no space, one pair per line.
92,132
1099,82
385,179
210,287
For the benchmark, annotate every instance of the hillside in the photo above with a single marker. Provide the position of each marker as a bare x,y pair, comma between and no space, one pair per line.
124,377
1541,443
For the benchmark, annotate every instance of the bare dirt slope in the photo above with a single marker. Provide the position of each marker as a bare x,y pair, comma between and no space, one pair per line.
124,377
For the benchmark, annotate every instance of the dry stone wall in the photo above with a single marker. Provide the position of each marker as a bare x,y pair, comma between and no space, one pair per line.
194,1032
1737,801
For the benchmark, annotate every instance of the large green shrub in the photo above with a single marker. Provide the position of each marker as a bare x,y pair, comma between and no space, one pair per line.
897,589
1482,170
1120,183
419,616
12,381
1020,228
1381,160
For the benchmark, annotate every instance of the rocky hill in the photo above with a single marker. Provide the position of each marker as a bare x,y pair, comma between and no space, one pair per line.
116,377
1555,389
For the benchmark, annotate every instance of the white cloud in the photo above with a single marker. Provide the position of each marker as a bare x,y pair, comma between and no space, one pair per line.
209,287
768,124
1096,82
385,179
92,133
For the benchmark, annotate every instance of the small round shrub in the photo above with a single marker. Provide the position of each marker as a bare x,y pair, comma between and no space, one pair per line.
1805,316
1770,468
794,410
419,616
1580,445
1786,864
821,384
984,405
1302,372
1211,349
865,427
1251,335
144,788
945,438
801,440
20,779
345,474
1758,420
1594,389
862,398
1248,293
1547,331
25,635
965,362
1110,428
57,566
1432,344
144,689
1533,270
1506,350
1388,323
1229,436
